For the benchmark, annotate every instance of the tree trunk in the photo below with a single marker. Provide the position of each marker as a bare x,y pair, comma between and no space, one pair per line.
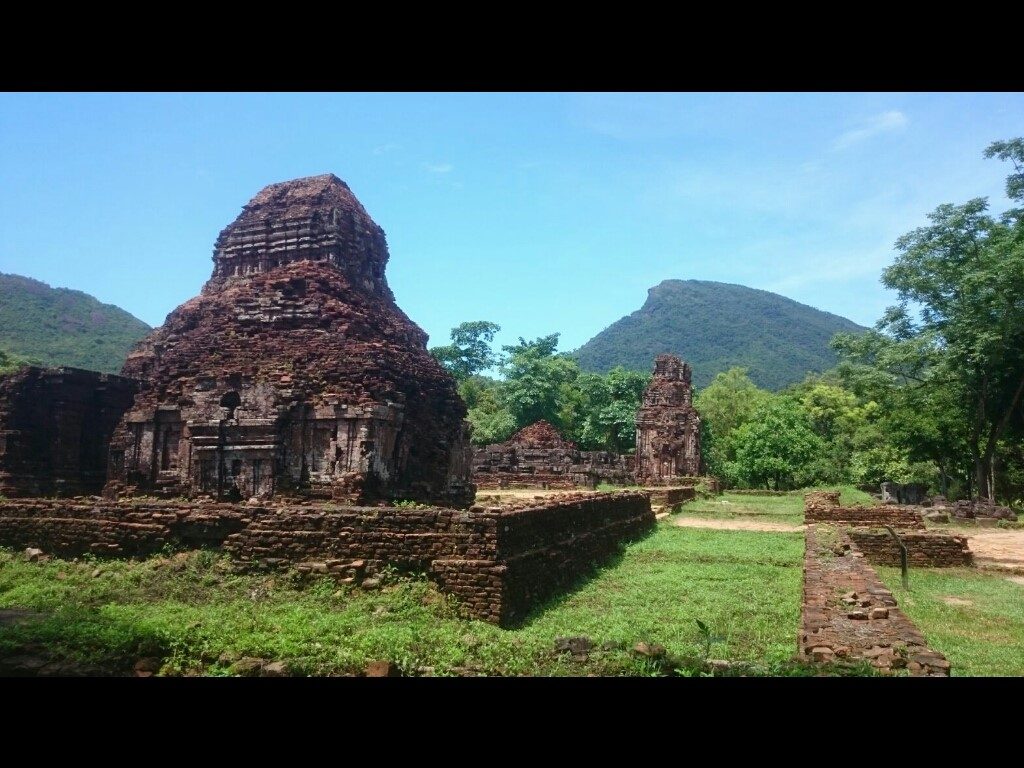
981,476
990,445
992,480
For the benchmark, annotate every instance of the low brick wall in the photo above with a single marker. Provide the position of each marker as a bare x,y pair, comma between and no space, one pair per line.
926,550
823,507
848,613
670,497
527,480
499,561
758,492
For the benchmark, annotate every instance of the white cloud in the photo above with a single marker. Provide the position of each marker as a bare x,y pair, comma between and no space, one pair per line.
439,167
383,149
893,120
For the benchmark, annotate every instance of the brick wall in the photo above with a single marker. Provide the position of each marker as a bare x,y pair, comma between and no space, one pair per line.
930,550
823,507
499,561
55,424
670,497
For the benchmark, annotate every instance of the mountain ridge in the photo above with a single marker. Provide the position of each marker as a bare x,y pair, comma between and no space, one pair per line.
715,326
63,326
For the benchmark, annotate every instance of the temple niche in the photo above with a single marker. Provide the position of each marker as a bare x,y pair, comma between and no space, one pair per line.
667,426
294,372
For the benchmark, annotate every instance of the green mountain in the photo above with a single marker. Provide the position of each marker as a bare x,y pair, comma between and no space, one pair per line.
714,326
58,326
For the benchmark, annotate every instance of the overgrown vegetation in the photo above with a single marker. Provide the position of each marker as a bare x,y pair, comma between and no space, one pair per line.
597,412
57,326
193,612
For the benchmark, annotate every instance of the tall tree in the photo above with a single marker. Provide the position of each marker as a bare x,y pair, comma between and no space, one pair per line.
538,382
776,446
959,323
470,352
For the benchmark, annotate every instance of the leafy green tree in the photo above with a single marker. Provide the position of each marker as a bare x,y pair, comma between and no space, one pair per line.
470,352
10,363
776,446
538,382
727,403
605,410
959,324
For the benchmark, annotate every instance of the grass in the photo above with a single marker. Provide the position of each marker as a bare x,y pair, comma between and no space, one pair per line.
788,509
982,638
192,611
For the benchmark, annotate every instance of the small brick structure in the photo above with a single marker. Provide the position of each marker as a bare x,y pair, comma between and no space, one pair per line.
848,613
926,549
498,561
824,507
537,456
55,424
671,497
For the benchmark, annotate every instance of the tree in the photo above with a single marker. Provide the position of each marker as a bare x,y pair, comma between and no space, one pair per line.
604,413
538,382
776,446
728,402
959,324
470,351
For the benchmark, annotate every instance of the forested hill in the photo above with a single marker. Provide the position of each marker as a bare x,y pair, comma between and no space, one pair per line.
58,326
714,326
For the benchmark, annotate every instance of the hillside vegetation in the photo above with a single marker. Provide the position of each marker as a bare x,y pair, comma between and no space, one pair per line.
716,326
58,326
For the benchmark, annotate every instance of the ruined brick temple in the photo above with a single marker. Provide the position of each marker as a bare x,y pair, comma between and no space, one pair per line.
537,456
275,416
667,426
294,371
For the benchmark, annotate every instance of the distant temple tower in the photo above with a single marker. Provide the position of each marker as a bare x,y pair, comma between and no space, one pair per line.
667,426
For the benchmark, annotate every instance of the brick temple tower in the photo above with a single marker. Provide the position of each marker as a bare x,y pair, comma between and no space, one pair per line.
294,371
667,426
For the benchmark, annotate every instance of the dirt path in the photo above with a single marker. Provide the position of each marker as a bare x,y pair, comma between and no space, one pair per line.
998,549
736,525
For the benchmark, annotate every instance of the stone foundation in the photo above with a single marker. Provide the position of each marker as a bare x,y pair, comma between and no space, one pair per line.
849,614
925,550
499,561
55,424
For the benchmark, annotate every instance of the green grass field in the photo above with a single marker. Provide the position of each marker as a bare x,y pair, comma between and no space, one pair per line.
975,618
788,509
191,610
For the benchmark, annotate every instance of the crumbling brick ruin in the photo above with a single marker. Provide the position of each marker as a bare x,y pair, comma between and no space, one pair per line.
848,613
537,456
55,424
824,507
667,426
294,371
924,550
865,527
499,561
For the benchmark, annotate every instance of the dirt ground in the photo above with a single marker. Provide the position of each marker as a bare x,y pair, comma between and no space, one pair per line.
736,525
997,549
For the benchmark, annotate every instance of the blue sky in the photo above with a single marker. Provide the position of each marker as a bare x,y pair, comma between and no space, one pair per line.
541,212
